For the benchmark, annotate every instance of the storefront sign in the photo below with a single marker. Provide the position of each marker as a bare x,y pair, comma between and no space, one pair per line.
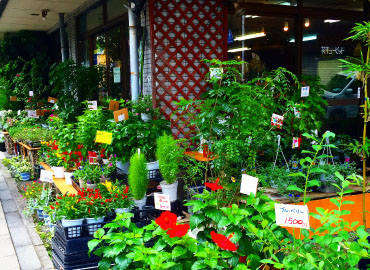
92,105
52,100
332,50
162,202
46,176
13,98
305,91
290,215
249,184
121,115
116,74
32,114
104,137
113,105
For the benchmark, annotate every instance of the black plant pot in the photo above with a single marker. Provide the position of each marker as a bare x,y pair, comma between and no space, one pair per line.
2,146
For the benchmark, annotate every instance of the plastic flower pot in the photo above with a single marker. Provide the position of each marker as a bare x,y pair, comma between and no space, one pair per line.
152,165
58,172
25,176
121,210
74,227
170,189
40,214
96,223
68,178
140,203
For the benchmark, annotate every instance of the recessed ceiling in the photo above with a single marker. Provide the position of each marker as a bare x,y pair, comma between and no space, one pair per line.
18,14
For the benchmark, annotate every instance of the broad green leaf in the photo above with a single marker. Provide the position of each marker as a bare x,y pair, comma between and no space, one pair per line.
122,262
195,220
198,265
214,214
104,264
178,251
295,188
313,183
99,233
92,244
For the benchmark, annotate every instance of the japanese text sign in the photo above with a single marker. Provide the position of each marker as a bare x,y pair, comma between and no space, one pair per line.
46,176
290,215
162,202
277,120
52,100
305,91
104,137
92,105
32,114
120,115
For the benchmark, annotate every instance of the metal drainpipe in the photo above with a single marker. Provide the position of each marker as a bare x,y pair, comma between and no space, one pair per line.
63,44
243,56
134,58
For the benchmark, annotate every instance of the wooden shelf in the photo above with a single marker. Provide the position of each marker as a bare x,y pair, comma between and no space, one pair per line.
5,132
29,147
60,183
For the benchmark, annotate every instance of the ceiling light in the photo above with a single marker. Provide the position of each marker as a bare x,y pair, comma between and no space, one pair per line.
285,4
331,21
286,26
239,49
251,16
306,38
44,13
250,36
307,22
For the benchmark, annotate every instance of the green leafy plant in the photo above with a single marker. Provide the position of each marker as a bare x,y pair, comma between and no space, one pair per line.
138,176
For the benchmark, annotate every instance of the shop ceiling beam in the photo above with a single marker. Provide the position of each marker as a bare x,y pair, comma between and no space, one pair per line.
3,4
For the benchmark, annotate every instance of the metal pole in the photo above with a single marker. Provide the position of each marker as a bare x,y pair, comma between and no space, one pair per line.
63,44
243,33
134,59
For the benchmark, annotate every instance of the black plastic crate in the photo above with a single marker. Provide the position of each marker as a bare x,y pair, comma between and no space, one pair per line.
71,246
60,265
73,258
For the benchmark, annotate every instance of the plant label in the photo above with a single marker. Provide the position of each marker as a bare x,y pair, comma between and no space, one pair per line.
290,215
103,137
121,115
113,105
162,202
13,98
296,142
277,120
216,73
32,114
116,74
359,92
46,176
92,105
249,184
297,113
30,93
40,112
305,91
52,100
19,112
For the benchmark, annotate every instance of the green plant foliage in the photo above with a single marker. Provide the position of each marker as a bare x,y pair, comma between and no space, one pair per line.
169,155
138,176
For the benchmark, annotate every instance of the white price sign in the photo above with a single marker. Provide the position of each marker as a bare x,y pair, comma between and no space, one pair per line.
121,117
32,114
162,201
249,184
30,93
46,176
93,105
305,91
290,215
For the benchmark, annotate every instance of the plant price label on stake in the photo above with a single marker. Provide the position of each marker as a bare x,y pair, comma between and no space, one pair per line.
121,115
162,202
290,215
249,184
92,105
32,114
30,93
13,98
305,91
113,105
52,100
104,137
46,176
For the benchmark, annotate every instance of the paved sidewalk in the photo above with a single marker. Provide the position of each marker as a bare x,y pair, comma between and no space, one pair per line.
20,245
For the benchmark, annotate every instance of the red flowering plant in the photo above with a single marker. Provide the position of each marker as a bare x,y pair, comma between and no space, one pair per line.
118,195
68,206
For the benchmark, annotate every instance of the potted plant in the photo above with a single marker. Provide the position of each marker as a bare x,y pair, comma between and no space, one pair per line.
121,201
88,175
144,106
138,178
24,170
96,207
328,177
169,155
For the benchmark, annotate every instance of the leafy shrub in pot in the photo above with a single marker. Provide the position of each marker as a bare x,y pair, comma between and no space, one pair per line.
138,178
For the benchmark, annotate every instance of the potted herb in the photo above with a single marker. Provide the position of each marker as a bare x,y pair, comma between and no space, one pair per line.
121,201
169,155
138,178
144,106
88,175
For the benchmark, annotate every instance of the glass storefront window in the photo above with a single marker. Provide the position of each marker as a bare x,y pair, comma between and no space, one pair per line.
116,8
268,43
335,4
323,46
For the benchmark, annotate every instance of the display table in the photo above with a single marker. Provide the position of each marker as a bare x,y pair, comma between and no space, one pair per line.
32,154
60,183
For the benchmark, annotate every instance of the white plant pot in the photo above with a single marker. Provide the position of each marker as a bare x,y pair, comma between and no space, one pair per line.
170,189
121,210
76,224
58,172
68,177
152,165
140,203
91,186
96,224
81,183
146,117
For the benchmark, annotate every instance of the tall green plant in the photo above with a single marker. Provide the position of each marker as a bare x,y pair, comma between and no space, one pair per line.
361,67
138,176
169,155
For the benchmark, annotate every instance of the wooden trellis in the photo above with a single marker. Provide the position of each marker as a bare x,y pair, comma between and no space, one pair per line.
183,32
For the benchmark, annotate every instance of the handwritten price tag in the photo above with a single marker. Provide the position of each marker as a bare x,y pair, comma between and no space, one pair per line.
248,185
305,91
13,98
289,215
30,93
32,114
46,176
104,137
162,202
113,105
121,115
92,105
52,100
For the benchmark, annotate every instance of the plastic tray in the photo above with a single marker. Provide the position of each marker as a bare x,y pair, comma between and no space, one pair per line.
58,263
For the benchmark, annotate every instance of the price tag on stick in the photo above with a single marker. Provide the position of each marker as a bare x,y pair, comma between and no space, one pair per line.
162,201
52,100
305,91
104,137
92,105
113,105
46,176
120,115
249,184
290,215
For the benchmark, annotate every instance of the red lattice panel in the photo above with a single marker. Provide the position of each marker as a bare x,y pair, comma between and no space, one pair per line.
183,32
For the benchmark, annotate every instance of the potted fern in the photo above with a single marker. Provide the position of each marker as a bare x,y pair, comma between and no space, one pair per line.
138,178
169,154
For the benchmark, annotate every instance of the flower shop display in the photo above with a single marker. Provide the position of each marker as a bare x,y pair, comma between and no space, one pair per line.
138,178
169,156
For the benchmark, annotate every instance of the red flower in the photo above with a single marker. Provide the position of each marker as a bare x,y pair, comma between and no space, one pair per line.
102,155
57,203
17,75
80,146
214,186
59,197
78,164
65,153
89,211
242,259
166,220
223,242
52,207
64,159
178,230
